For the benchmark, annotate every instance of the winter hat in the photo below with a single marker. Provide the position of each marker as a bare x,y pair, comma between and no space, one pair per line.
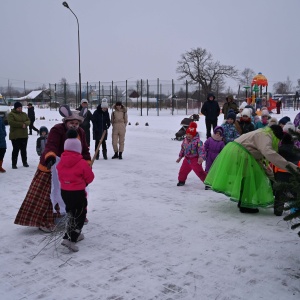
17,105
273,121
287,126
243,105
229,97
192,130
84,101
74,116
252,110
284,120
72,143
231,115
265,113
238,116
246,112
104,103
210,95
219,129
43,129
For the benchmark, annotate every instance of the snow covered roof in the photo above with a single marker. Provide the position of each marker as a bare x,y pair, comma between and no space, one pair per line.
30,96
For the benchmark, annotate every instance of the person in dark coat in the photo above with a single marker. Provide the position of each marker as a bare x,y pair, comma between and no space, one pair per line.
101,122
86,123
31,116
211,111
2,144
230,104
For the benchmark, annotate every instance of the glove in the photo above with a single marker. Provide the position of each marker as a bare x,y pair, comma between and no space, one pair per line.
50,161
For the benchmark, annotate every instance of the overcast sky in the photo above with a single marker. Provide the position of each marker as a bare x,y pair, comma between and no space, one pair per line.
137,39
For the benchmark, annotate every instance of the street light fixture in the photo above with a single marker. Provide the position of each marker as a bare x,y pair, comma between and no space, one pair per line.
65,4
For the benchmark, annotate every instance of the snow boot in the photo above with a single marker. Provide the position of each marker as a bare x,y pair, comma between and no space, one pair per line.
247,210
207,188
80,237
120,155
181,183
70,245
104,152
1,169
115,156
25,164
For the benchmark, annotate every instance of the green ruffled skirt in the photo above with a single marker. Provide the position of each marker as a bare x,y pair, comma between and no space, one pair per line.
237,174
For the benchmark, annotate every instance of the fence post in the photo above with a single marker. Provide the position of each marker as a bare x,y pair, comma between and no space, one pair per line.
157,97
147,97
65,92
186,96
141,97
112,91
126,94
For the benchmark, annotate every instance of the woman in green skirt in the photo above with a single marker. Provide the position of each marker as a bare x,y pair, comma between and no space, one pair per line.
241,171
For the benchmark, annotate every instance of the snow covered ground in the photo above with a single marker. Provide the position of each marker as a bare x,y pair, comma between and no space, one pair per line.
147,238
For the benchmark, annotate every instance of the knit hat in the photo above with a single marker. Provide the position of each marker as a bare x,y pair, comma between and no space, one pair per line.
231,115
43,129
243,105
192,130
219,129
84,101
72,143
284,120
287,126
265,113
273,121
252,110
17,105
246,112
104,103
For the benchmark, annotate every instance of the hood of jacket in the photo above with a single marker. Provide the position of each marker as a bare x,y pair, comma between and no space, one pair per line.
70,158
122,108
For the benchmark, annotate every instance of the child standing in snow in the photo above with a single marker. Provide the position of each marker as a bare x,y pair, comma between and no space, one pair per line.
230,131
2,144
42,140
74,175
193,152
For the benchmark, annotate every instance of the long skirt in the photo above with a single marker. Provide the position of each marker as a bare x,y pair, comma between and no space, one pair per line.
237,174
36,209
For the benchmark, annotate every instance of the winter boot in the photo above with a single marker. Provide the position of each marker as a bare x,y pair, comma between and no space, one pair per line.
181,183
14,167
70,245
115,156
120,155
247,210
1,169
25,164
104,152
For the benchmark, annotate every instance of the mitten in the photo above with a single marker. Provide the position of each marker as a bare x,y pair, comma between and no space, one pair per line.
50,161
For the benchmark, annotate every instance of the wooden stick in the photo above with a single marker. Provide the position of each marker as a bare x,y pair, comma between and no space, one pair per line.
98,147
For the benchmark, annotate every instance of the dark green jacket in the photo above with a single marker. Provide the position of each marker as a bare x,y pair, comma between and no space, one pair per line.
16,120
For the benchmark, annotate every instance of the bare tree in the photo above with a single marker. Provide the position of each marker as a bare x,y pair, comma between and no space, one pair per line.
198,66
285,87
246,77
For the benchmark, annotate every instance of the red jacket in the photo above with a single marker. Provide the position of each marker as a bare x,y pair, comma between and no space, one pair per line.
74,173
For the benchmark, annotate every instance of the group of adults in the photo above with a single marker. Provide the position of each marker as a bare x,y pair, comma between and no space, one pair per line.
241,169
38,209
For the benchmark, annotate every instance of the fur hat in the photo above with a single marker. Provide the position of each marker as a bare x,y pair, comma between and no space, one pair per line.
219,129
273,121
104,103
69,115
72,143
192,130
17,105
284,120
231,115
287,126
246,112
74,116
84,101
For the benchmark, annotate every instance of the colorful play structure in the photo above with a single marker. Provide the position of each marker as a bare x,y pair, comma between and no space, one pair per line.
257,97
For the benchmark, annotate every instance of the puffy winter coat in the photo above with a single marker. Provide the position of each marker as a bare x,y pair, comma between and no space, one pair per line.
55,144
212,149
101,122
192,148
211,110
2,134
16,120
74,173
230,132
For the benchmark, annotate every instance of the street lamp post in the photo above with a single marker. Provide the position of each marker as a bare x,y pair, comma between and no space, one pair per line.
65,4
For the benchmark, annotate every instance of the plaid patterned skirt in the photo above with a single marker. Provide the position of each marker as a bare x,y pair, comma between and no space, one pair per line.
36,209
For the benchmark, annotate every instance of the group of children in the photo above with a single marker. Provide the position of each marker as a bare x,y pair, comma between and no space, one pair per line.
195,152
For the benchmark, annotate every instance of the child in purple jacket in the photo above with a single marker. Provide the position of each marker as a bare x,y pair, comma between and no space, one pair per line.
213,146
193,152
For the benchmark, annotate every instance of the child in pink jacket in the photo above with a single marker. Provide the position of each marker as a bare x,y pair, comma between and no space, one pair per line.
74,175
193,152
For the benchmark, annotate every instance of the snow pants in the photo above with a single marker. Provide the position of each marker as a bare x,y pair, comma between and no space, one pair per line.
118,136
187,166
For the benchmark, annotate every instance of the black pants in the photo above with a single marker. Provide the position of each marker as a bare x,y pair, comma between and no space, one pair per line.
31,126
2,153
19,145
209,124
76,204
104,149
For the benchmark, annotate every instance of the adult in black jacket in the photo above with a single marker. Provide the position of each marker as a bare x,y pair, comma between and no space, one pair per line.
211,111
101,122
86,123
31,116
